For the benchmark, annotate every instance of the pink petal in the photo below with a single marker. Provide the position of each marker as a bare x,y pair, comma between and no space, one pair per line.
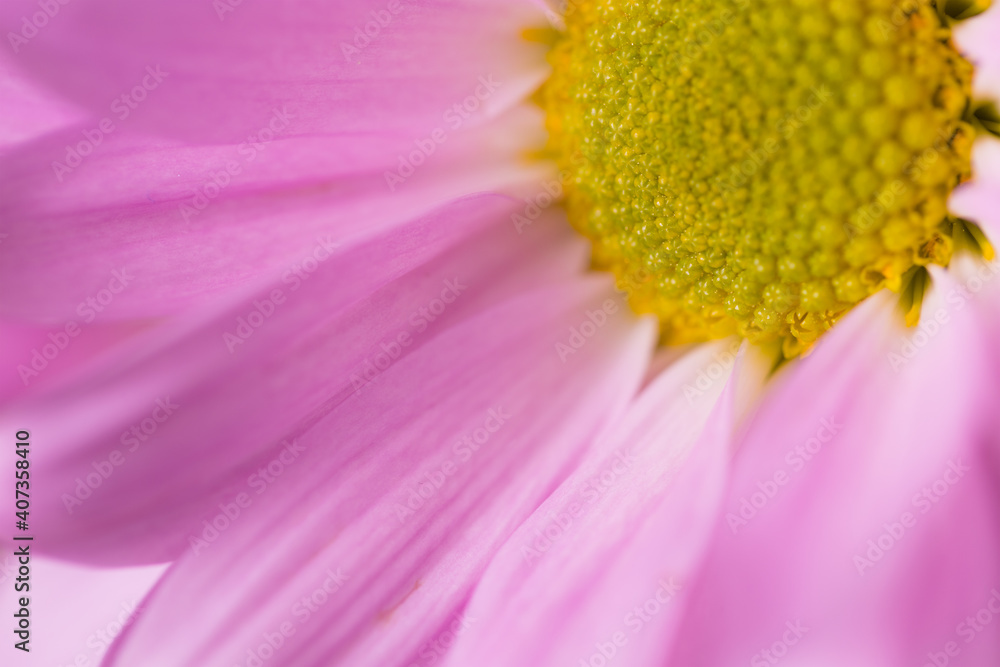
979,200
34,359
30,109
596,574
133,207
76,612
832,467
402,493
218,70
977,39
242,388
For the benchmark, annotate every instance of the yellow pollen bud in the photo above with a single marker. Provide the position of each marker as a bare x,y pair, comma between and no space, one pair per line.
759,167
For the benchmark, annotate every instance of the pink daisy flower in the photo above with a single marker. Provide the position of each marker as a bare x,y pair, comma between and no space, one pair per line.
303,338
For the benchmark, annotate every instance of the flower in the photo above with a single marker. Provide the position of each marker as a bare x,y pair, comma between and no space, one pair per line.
294,312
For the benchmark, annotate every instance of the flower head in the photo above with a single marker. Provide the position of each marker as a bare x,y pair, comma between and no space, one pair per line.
297,313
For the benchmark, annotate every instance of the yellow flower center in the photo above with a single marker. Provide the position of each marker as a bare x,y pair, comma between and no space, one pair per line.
760,167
